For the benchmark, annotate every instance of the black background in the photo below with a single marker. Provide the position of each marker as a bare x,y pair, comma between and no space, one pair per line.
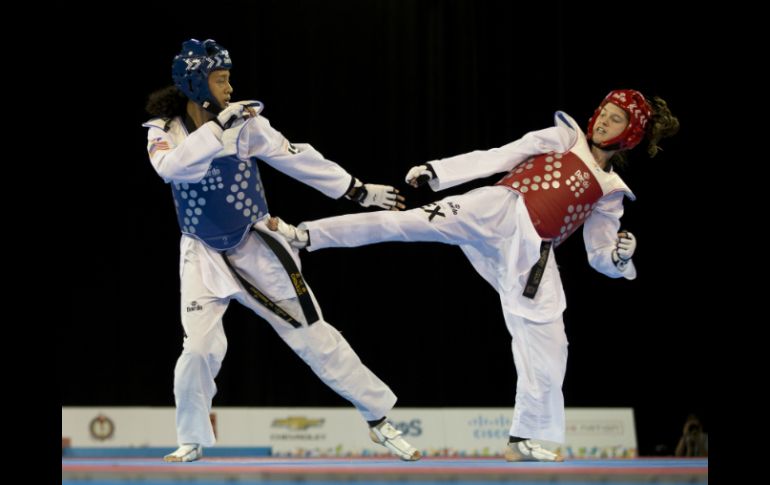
380,86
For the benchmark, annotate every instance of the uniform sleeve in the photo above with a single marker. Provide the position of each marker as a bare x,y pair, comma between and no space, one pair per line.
478,164
189,160
600,233
297,160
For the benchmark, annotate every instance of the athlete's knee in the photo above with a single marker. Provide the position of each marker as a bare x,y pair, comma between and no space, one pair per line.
207,350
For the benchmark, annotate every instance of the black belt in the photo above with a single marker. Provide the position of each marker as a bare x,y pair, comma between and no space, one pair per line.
536,273
305,301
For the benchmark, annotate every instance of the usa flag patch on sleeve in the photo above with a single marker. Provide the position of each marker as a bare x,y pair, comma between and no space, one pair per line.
158,144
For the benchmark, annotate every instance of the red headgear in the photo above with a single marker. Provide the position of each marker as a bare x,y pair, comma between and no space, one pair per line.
639,113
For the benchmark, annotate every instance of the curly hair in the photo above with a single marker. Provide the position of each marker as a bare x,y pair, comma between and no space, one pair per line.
662,124
166,103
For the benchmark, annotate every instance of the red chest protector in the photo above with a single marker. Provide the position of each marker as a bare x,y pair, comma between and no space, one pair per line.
559,191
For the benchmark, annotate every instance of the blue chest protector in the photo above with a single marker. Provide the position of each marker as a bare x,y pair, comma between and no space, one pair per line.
220,209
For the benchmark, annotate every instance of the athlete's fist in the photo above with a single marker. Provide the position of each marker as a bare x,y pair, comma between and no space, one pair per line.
625,245
419,175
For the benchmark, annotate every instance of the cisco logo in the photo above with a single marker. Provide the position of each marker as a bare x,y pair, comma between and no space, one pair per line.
490,427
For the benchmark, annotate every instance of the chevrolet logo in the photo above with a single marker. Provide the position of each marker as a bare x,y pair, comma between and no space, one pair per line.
297,422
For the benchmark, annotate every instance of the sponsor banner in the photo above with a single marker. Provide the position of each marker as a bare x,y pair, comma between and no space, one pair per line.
341,432
600,433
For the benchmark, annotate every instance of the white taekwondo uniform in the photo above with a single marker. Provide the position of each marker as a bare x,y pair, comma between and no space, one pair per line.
494,227
216,179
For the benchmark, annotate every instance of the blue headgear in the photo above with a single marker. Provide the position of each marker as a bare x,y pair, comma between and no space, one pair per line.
192,66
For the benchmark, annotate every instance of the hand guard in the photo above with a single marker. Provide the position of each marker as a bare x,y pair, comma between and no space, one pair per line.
626,245
384,196
231,116
624,249
297,238
420,175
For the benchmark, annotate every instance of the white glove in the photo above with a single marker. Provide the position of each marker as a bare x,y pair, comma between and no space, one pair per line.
419,175
231,116
384,196
624,249
626,245
297,238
